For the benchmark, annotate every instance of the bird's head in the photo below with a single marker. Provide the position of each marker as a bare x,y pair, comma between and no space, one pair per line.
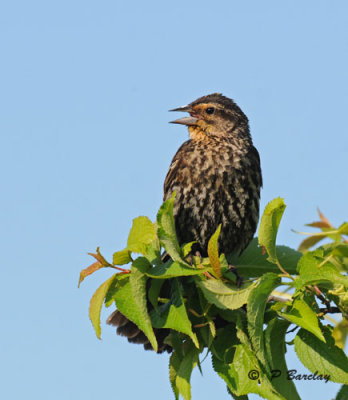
213,115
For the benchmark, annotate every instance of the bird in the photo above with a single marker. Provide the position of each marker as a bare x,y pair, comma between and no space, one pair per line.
216,175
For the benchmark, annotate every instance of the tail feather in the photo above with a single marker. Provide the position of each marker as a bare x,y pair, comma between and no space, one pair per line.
140,338
117,319
134,335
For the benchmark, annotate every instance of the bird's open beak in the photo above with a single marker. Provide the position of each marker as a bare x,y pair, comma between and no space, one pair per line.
186,120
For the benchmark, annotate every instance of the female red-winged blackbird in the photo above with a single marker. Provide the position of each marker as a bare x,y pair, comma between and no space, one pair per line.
217,178
216,175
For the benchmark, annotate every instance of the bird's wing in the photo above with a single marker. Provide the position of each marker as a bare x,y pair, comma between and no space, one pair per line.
173,169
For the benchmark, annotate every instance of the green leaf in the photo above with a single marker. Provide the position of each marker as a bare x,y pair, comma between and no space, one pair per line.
154,291
224,295
184,372
302,315
141,234
122,257
240,373
213,252
153,251
256,308
253,263
131,305
166,230
313,271
343,229
96,304
240,318
275,353
174,269
235,397
322,358
174,365
137,282
343,393
115,285
340,333
340,250
204,336
269,227
186,248
224,342
173,314
142,264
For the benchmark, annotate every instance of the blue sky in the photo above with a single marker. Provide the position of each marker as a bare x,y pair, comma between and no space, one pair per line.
85,146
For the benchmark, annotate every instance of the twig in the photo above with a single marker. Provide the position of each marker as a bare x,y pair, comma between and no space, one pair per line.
293,329
328,310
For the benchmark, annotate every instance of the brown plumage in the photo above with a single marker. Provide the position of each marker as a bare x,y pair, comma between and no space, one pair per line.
217,178
216,175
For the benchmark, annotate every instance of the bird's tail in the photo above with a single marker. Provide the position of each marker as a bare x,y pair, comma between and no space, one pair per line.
127,328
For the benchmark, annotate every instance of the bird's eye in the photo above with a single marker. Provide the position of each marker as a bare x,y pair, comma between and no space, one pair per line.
210,110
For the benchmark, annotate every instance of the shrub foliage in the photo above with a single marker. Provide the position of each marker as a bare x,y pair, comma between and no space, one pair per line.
285,299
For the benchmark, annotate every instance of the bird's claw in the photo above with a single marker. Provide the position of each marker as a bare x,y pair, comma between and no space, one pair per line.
239,279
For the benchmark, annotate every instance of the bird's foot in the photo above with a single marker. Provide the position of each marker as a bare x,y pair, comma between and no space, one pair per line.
239,279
